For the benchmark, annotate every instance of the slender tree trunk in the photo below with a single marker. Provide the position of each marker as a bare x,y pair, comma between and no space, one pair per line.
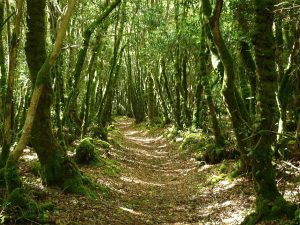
8,111
151,99
57,169
71,103
185,91
162,98
2,65
233,100
177,108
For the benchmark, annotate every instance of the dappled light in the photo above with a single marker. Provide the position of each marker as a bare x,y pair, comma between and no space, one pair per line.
150,112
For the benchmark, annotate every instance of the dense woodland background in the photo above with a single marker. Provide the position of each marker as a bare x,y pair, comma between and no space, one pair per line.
223,76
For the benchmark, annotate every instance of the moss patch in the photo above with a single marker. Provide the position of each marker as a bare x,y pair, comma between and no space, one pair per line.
102,144
24,208
109,167
85,152
203,147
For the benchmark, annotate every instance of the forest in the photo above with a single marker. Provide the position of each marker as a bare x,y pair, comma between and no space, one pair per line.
150,112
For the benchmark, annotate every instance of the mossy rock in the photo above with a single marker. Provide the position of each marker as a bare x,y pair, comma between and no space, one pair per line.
85,152
211,154
193,142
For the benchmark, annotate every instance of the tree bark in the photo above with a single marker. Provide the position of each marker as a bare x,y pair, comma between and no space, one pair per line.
8,111
57,169
233,100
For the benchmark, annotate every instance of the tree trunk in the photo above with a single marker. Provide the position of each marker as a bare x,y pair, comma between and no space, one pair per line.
8,111
234,103
2,65
269,202
56,167
151,99
69,112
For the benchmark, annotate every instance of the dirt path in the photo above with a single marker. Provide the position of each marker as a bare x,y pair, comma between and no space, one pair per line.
158,185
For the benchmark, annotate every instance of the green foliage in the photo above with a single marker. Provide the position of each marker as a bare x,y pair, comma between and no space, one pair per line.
224,167
270,210
99,132
36,168
296,219
102,144
85,152
11,176
193,142
201,144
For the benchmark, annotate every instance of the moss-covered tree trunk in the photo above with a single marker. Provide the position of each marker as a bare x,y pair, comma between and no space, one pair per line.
185,92
2,65
159,90
151,99
70,113
204,73
166,86
8,108
245,56
57,168
269,202
178,71
198,99
234,102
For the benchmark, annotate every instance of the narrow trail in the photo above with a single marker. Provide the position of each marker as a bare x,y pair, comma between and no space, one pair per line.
158,185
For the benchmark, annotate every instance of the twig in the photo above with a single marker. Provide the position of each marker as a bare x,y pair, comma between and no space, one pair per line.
291,165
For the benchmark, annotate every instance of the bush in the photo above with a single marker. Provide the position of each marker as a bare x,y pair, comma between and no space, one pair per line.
85,152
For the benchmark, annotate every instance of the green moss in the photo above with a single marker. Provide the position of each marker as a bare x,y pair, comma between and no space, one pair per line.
216,179
236,170
75,185
36,168
11,176
296,219
193,142
64,173
102,144
223,168
24,208
99,132
211,154
47,206
267,210
109,167
85,152
103,190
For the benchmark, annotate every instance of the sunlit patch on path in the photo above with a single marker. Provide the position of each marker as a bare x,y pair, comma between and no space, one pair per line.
158,185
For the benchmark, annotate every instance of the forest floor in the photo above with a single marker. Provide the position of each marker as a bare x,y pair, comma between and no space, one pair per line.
147,180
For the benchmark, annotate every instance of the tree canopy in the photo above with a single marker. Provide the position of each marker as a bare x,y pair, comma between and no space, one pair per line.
220,77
